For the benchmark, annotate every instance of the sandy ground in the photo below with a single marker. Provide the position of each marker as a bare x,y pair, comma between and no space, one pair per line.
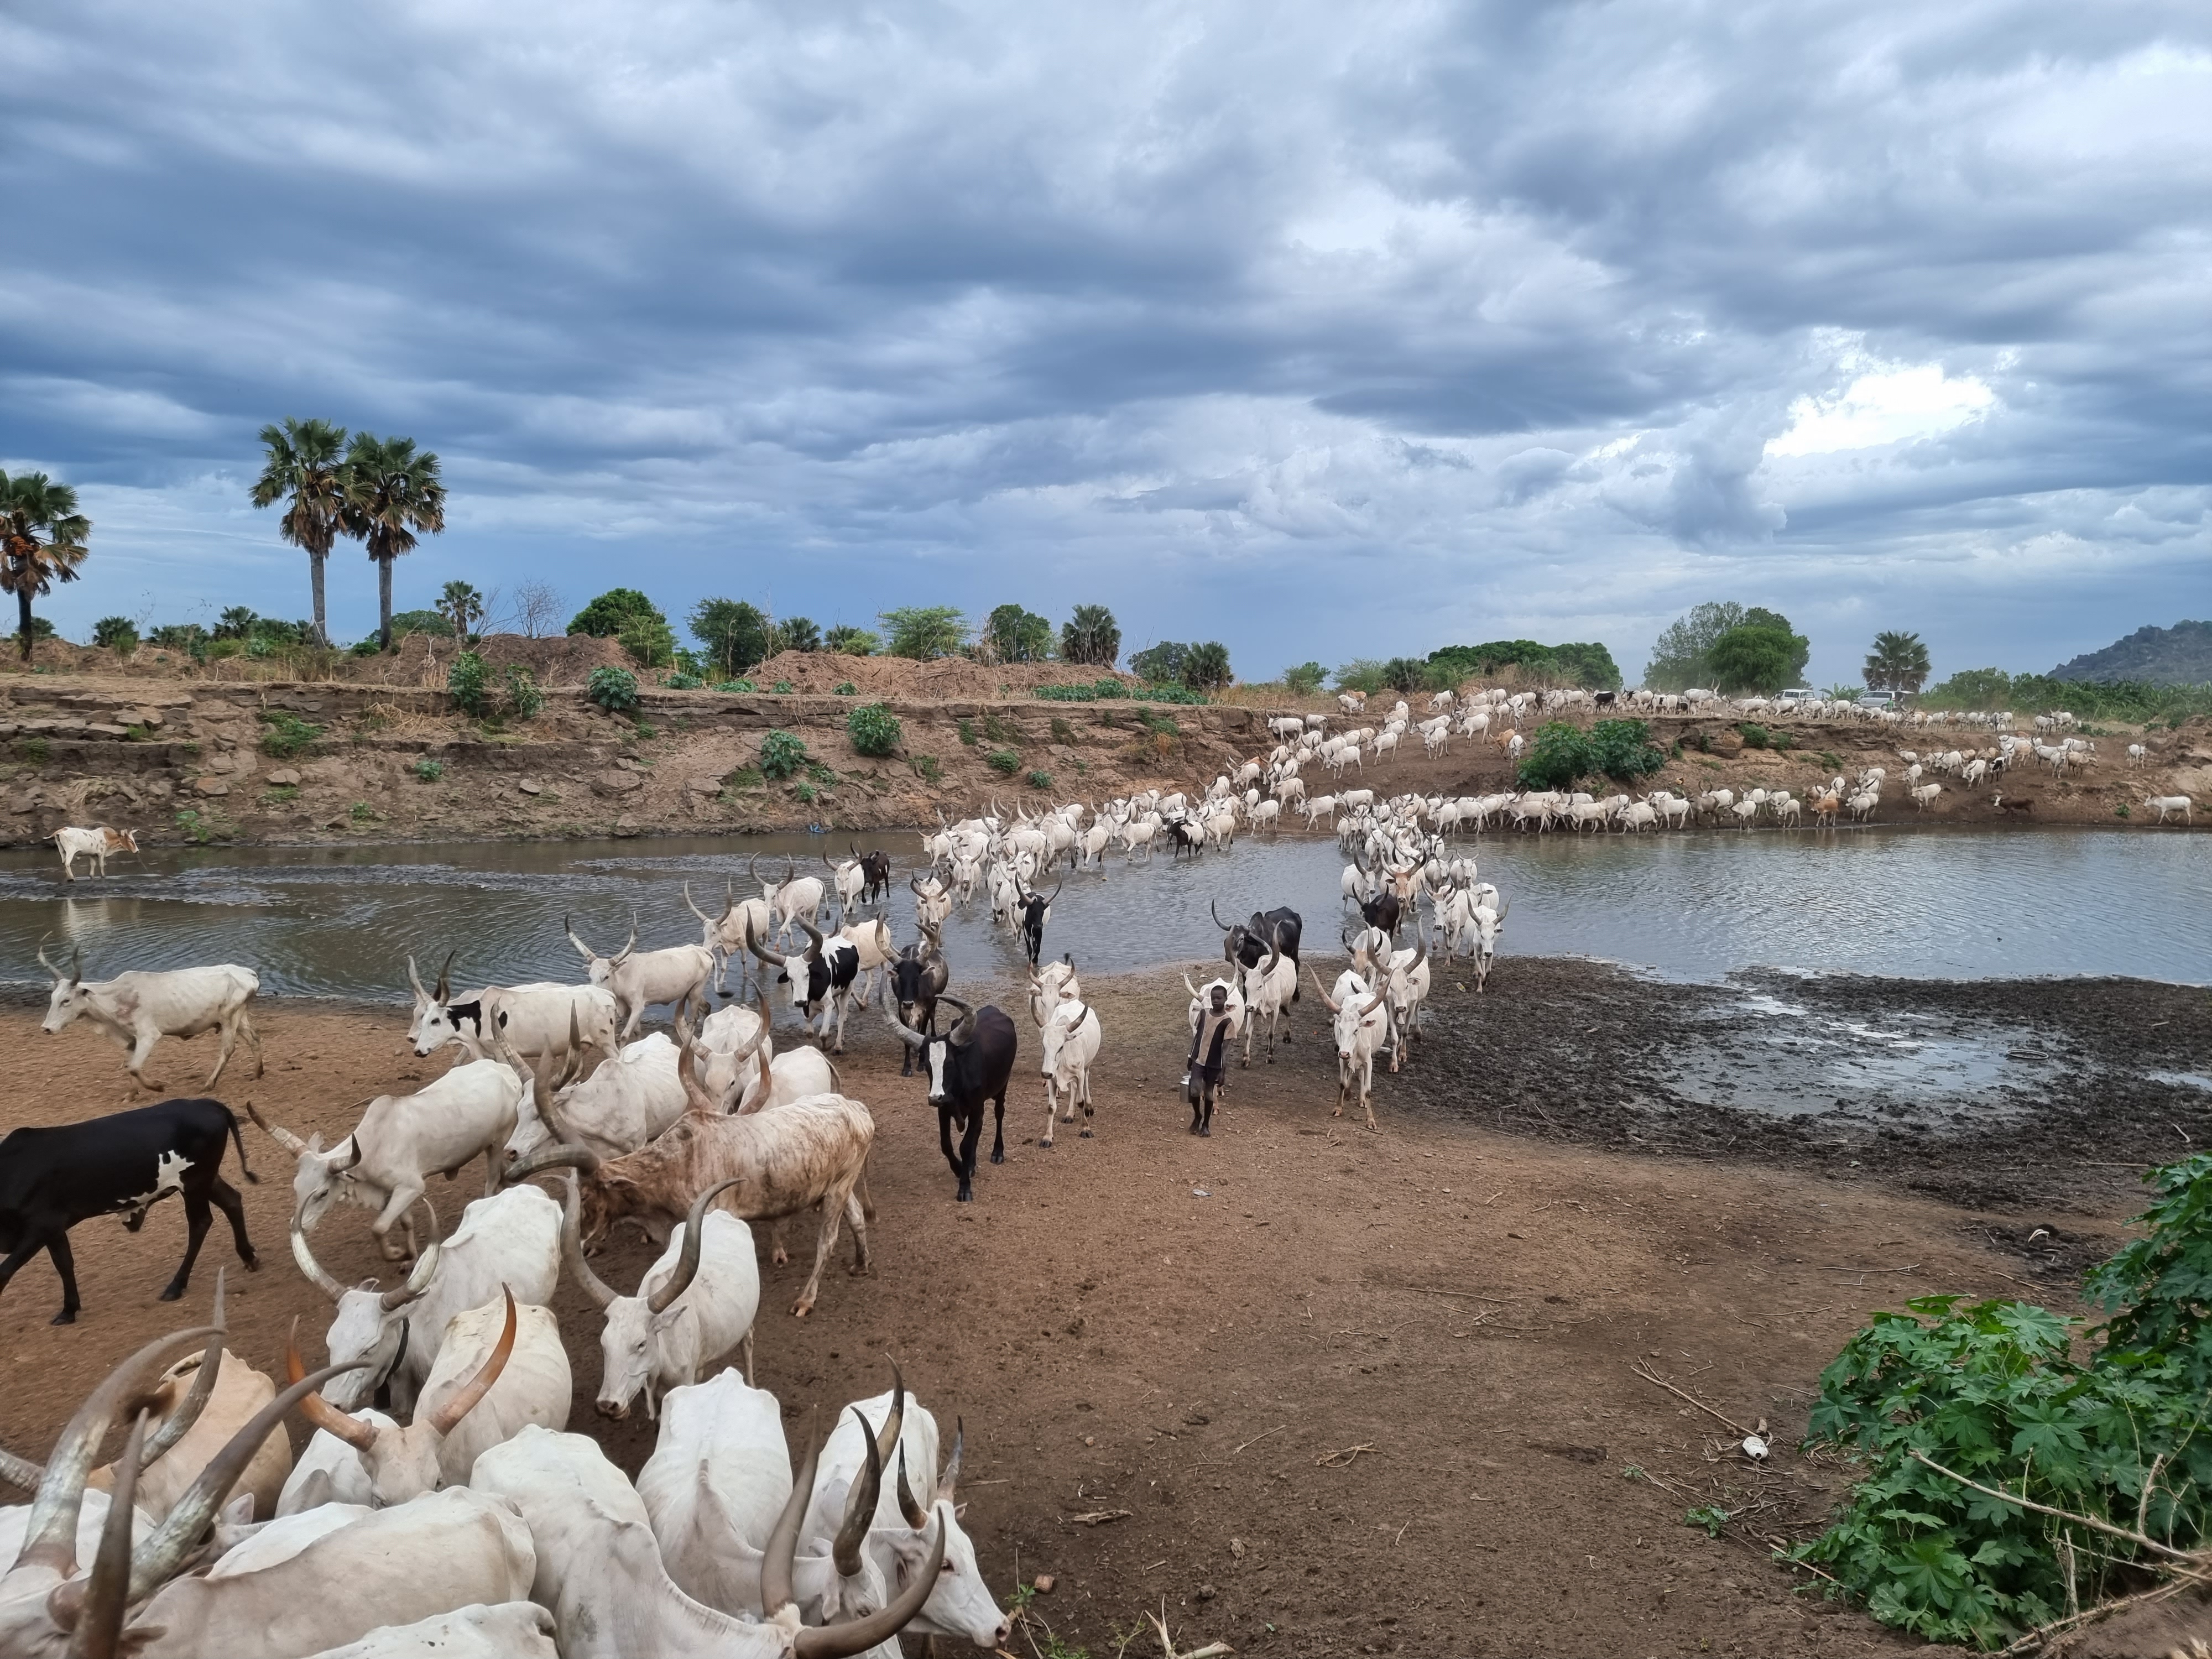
1309,1388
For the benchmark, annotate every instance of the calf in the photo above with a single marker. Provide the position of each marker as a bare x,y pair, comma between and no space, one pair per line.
137,1010
1032,911
122,1165
2166,805
968,1065
94,844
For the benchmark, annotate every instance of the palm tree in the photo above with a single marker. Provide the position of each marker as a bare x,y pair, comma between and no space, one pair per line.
464,607
303,461
1092,636
30,502
390,493
1898,662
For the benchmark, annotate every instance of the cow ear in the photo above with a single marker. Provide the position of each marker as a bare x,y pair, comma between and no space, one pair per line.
315,1141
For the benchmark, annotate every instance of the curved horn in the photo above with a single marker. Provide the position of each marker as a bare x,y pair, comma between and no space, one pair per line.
99,1626
774,958
562,1155
843,1640
1274,952
687,1265
1189,987
426,1269
445,988
77,966
49,966
782,1549
859,1507
318,1275
568,928
1504,906
694,908
1334,1007
813,938
951,1478
1216,915
180,1421
572,1248
416,979
284,1138
163,1553
459,1404
568,1073
907,1034
318,1411
629,943
914,884
909,1505
695,1097
964,1030
1056,886
1374,1003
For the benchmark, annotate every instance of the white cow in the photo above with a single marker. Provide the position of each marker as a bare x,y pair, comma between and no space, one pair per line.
549,1025
693,1305
94,844
1266,988
1069,1034
725,936
677,975
512,1630
382,1165
1361,1024
2166,805
622,1105
511,1239
138,1009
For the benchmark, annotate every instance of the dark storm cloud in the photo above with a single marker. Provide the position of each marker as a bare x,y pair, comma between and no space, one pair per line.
1329,337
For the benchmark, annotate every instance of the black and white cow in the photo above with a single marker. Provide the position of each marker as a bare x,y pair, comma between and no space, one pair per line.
968,1065
1244,945
121,1165
1031,912
821,981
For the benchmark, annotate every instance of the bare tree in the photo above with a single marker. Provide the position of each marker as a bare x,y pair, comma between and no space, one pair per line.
537,609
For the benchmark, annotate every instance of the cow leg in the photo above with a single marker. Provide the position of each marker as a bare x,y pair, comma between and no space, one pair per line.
1082,1082
197,1216
1051,1111
57,1247
227,1200
245,1030
833,1209
493,1154
226,1040
856,1218
141,1052
395,1211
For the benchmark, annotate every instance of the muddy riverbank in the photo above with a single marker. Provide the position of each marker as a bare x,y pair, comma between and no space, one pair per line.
1320,1390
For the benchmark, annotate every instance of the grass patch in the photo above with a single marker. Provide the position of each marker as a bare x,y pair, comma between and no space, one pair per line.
362,812
1005,762
805,792
282,794
1061,731
747,776
968,733
37,750
1038,779
928,768
428,770
998,731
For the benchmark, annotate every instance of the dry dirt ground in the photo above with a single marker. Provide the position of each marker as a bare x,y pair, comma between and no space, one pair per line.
1309,1389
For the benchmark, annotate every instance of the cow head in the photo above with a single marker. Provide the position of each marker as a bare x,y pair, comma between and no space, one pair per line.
597,968
1057,1029
70,997
322,1178
1355,1016
937,1052
371,1325
646,1336
960,1605
436,1022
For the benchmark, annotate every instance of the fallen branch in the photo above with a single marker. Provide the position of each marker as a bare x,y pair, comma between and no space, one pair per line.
1349,1454
2193,1561
1098,1517
2043,1633
1649,1376
1262,1435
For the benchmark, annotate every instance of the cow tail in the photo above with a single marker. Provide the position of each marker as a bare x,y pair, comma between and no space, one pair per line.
237,1135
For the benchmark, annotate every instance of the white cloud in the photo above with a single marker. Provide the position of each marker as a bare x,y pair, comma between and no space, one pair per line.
1887,406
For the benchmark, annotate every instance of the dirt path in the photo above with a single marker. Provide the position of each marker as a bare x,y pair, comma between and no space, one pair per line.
1318,1391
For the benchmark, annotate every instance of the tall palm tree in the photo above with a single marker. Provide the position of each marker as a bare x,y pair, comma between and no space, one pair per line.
303,465
1898,662
1092,636
30,563
391,491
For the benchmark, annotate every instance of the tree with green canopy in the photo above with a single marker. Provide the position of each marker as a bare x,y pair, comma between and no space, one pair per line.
1092,636
303,465
1750,658
925,632
394,494
463,606
1017,635
42,542
1206,666
798,634
735,633
1898,662
851,641
605,617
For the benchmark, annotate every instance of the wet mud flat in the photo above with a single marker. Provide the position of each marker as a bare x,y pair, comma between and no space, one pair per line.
2036,1096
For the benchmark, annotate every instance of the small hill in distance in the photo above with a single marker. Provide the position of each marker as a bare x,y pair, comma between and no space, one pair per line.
2179,655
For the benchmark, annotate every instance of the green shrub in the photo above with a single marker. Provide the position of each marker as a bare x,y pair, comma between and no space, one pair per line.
928,768
606,617
1161,724
1754,736
736,685
680,680
197,828
1305,679
2121,810
468,683
614,689
1992,1390
998,731
781,688
219,650
119,634
1038,779
288,734
1560,754
1206,666
804,792
873,728
1166,694
280,794
523,695
781,754
847,688
747,776
1405,675
968,733
37,750
1061,731
1005,760
646,731
1623,750
361,811
428,770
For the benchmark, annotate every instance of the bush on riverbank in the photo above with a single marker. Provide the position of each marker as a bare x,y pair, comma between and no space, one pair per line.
2114,1449
1564,753
2135,702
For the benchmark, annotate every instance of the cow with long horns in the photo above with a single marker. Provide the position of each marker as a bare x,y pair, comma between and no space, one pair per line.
791,898
1032,911
918,978
636,980
550,1026
967,1066
1244,942
1361,1025
725,936
139,1008
821,981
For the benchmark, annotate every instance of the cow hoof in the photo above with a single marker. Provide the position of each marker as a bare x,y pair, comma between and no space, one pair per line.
998,1158
1045,1145
800,1310
965,1197
1206,1134
66,1316
779,1258
1086,1135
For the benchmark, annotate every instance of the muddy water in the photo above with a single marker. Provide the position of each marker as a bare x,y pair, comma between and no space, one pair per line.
339,921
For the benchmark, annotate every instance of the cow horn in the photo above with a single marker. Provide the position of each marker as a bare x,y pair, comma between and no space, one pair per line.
964,1030
1504,906
695,1097
77,966
694,908
284,1138
92,1612
729,897
1334,1007
859,1507
774,958
20,1471
1188,986
318,1275
562,1155
568,927
895,1419
813,938
418,1281
1275,951
946,1481
318,1411
575,1055
50,1532
571,1246
630,944
415,980
909,1505
180,1422
778,1557
445,989
163,1553
459,1404
914,883
1374,1003
907,1034
44,963
687,1264
841,1641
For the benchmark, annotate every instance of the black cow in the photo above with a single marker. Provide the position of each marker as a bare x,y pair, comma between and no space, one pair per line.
1184,836
1382,911
1605,699
1246,944
918,978
968,1065
876,872
1032,908
122,1165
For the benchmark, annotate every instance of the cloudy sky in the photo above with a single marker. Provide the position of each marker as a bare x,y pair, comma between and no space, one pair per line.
1323,330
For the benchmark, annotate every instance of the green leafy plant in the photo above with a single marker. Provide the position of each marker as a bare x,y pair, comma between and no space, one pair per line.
1206,666
1038,779
2121,810
679,681
998,731
37,750
606,617
928,768
736,685
614,689
362,813
1711,1516
924,632
873,729
1090,635
851,641
803,792
646,731
1623,750
1754,736
1963,1413
119,634
847,688
428,770
1061,731
748,776
1005,760
468,682
968,733
1159,725
198,828
649,640
781,688
288,734
523,695
1303,679
781,754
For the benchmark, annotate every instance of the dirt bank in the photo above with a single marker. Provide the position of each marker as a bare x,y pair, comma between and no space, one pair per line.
282,761
1319,1390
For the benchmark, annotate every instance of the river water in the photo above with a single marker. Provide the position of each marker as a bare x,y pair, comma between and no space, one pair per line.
1909,902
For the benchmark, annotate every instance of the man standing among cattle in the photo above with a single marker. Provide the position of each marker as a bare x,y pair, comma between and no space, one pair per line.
1202,1083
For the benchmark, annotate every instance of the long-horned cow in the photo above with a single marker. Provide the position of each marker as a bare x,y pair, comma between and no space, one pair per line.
676,976
967,1066
139,1008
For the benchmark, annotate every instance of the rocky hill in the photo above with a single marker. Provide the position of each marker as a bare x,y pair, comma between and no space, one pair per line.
2179,655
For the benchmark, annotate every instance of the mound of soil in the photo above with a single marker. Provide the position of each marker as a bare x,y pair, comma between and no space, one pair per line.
948,678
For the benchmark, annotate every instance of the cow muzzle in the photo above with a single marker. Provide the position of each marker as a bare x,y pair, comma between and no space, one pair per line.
616,1411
